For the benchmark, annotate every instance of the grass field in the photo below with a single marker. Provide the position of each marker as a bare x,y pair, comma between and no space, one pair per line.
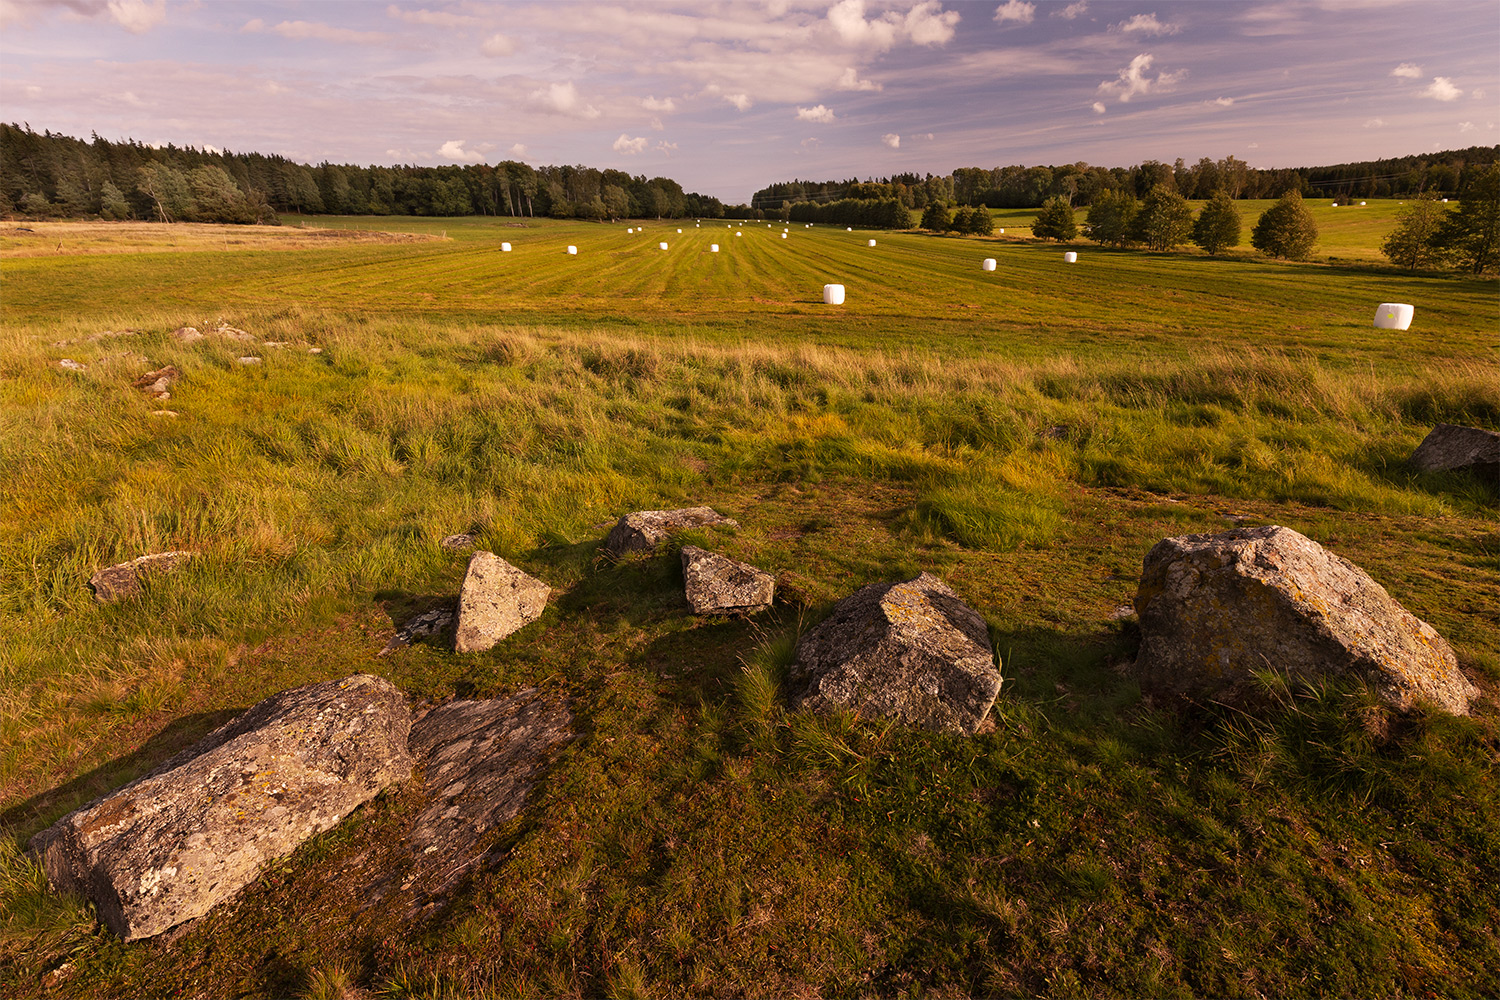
1027,434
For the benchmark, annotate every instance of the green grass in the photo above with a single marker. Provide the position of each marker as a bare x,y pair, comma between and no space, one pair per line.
1026,434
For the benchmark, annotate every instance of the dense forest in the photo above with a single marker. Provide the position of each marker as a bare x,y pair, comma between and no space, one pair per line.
49,175
1018,186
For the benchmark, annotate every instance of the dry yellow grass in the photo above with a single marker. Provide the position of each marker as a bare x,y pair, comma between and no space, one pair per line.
44,239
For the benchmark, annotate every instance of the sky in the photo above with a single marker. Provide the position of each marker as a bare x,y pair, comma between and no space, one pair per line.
728,97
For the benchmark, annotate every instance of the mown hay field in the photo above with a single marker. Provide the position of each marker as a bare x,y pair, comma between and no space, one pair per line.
1026,434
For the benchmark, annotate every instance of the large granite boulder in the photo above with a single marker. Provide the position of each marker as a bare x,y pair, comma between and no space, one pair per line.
718,585
122,580
169,846
911,651
479,761
644,530
496,599
1451,447
1215,608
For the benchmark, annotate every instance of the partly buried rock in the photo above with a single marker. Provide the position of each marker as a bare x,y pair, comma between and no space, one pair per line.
425,624
911,650
496,599
718,585
158,384
479,761
169,846
458,543
1216,608
187,334
1451,447
122,580
644,530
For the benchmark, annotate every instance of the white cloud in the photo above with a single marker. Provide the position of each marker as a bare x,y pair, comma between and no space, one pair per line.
1408,71
851,81
453,149
656,124
1133,80
928,24
817,113
497,45
1018,11
811,143
1072,11
666,148
630,146
1467,127
137,16
665,104
892,140
741,102
214,150
1145,24
562,99
1375,123
32,90
128,96
1223,102
518,150
1099,107
848,20
437,19
1442,89
322,32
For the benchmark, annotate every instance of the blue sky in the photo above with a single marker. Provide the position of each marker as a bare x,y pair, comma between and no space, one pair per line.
727,97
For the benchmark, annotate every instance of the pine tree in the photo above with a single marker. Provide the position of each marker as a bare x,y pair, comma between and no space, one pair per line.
935,217
1055,221
1286,229
1218,225
1165,221
1411,244
981,223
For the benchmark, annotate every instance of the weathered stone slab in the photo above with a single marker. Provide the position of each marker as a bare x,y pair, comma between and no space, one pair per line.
496,599
122,580
912,651
1215,608
718,585
425,624
644,530
458,543
1451,447
158,384
479,760
169,846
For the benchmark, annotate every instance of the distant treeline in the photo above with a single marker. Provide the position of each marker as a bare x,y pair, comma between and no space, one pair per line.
47,174
1018,186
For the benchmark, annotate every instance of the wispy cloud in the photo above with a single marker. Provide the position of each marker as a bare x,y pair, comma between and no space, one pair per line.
892,140
851,81
1145,24
625,144
740,102
1134,80
138,16
1072,11
1222,102
432,18
1408,71
1375,123
497,45
303,30
665,104
562,99
1018,11
817,113
1442,89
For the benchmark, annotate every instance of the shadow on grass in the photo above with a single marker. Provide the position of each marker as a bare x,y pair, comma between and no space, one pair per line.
25,819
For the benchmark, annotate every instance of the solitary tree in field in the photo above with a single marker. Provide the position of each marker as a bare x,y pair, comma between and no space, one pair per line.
935,217
981,223
1411,243
1055,221
1110,216
1165,221
1472,233
1218,225
1286,229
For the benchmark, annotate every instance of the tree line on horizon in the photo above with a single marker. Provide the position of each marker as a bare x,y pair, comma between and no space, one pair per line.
50,175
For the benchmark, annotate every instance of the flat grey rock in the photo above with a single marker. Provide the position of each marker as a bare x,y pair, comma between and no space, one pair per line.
458,543
122,580
718,585
167,847
1216,608
911,651
496,600
644,530
1449,447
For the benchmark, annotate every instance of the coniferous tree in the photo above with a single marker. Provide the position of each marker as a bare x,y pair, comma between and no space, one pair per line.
1055,221
935,217
1217,227
1286,229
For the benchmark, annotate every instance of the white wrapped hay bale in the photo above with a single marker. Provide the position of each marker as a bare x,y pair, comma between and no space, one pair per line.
573,251
1071,257
713,248
679,230
739,234
833,295
849,229
505,248
662,245
989,264
1394,316
783,235
872,243
1001,232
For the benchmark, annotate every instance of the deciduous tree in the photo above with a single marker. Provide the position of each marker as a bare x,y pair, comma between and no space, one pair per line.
1286,229
1411,244
1055,221
1217,227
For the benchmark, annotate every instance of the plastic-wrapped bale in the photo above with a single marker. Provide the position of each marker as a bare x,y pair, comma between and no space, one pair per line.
1394,316
783,235
989,264
1001,232
872,243
1071,257
713,248
679,230
573,251
833,295
505,248
662,245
